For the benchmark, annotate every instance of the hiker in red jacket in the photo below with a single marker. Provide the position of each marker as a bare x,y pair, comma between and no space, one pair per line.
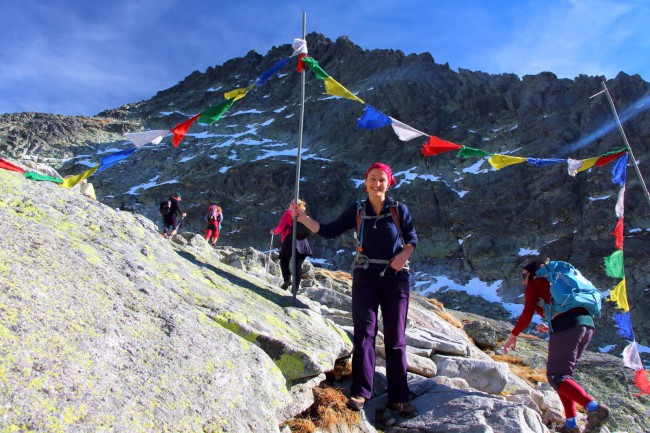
303,249
571,333
213,219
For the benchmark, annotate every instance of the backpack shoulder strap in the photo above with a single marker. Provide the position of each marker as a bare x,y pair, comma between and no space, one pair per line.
361,213
394,209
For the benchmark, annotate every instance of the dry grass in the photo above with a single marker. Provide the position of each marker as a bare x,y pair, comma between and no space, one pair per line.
335,275
529,374
436,303
331,409
440,311
450,319
328,411
300,425
342,369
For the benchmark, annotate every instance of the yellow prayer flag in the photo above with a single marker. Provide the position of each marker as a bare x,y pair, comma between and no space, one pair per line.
71,181
334,88
619,295
238,93
500,161
588,163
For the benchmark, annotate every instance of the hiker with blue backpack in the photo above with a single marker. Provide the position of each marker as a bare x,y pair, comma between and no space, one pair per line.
380,280
170,208
303,249
213,220
568,301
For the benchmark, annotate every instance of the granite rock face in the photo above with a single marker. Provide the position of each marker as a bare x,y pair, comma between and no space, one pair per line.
107,326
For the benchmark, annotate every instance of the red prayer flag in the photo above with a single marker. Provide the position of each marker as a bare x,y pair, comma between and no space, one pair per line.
180,130
301,64
9,166
618,233
641,381
435,146
608,158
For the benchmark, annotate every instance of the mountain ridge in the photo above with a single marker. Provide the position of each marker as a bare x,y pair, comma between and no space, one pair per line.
466,218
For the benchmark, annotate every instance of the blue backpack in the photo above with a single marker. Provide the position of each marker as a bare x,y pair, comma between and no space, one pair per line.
569,289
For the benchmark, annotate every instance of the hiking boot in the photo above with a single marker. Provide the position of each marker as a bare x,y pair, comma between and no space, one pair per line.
565,429
405,410
286,285
597,418
356,402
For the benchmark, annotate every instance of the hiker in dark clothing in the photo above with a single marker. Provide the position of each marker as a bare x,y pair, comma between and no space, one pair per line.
380,279
170,220
571,333
303,249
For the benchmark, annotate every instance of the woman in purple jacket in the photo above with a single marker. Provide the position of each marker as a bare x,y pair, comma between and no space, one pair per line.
380,279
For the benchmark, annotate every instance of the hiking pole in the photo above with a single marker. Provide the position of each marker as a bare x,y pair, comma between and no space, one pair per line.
627,144
268,260
294,288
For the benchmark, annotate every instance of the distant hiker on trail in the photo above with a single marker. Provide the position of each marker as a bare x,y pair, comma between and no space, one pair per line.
570,335
303,249
214,219
380,279
170,208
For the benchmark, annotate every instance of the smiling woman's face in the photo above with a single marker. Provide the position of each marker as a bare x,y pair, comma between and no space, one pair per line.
376,183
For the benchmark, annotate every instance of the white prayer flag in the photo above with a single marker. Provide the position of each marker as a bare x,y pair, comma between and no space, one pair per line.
139,139
299,47
620,205
631,357
405,132
574,166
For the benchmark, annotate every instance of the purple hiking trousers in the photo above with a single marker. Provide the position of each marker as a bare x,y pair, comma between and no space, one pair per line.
369,292
564,351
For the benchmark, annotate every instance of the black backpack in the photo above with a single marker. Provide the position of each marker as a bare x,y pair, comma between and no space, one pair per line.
165,206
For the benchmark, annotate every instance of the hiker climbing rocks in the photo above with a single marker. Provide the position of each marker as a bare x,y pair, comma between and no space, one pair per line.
380,279
170,208
303,249
214,219
570,335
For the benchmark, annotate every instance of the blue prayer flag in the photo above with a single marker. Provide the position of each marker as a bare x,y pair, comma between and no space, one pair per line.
619,170
272,70
114,158
624,325
540,162
373,119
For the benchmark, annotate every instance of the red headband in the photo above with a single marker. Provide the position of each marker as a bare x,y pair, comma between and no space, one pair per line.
386,169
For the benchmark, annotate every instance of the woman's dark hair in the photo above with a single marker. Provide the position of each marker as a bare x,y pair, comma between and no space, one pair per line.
533,266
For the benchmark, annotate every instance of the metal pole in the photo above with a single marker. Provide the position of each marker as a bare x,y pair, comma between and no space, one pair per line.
268,260
627,144
294,288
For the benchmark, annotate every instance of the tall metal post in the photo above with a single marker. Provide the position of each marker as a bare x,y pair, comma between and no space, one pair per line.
294,288
627,144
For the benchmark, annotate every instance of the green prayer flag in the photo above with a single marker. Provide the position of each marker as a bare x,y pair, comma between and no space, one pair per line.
614,152
36,176
315,68
614,265
467,152
213,114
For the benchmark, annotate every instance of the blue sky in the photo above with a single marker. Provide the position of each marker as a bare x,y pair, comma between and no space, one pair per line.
84,56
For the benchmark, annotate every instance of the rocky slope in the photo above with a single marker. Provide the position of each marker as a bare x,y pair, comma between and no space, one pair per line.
473,221
106,326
